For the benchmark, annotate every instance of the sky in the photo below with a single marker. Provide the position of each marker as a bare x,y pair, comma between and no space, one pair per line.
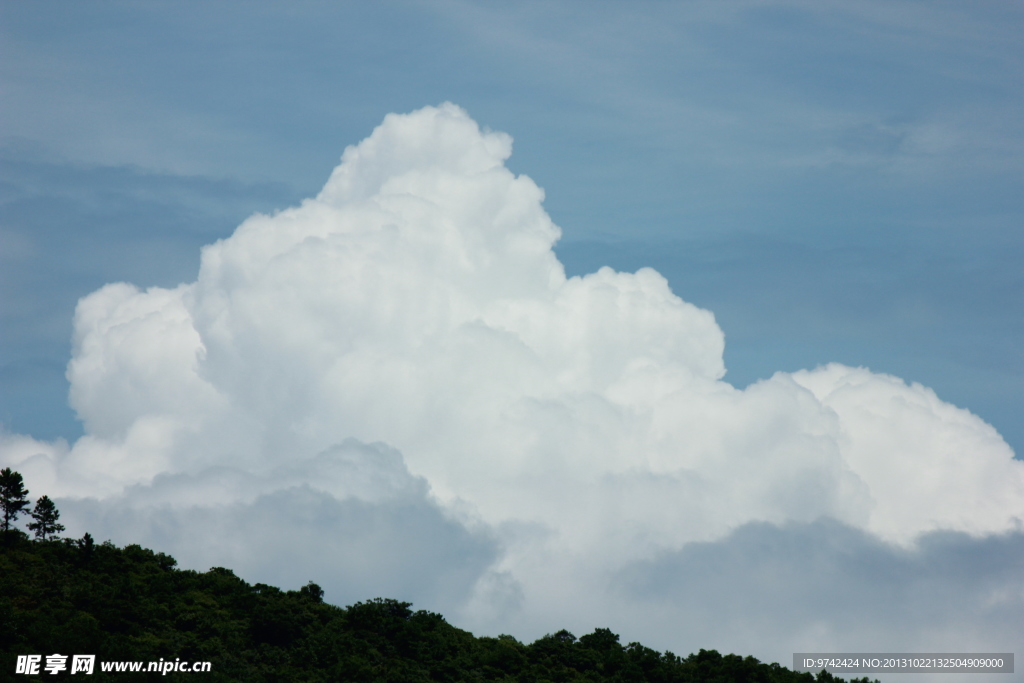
699,321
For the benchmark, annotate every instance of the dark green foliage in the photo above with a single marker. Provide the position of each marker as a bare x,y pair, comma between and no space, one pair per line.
79,597
13,497
46,516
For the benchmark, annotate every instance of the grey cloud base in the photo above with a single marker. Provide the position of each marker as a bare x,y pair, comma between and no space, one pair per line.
767,587
351,519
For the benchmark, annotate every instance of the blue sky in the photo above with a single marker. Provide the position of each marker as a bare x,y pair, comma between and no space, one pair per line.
836,182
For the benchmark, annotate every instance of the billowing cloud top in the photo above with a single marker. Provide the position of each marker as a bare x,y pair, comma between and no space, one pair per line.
567,426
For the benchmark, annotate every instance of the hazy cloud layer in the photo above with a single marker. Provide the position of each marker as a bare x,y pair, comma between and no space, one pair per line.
536,438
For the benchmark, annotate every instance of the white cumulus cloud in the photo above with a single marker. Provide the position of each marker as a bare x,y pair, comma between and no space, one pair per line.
394,387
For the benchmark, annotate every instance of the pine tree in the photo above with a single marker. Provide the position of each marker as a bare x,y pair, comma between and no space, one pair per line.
46,516
13,496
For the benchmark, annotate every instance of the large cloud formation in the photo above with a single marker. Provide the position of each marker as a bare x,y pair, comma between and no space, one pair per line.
393,388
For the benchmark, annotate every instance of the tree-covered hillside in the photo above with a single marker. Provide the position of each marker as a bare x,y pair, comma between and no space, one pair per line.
123,604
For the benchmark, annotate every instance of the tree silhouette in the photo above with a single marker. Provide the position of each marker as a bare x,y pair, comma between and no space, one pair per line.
46,516
132,604
13,496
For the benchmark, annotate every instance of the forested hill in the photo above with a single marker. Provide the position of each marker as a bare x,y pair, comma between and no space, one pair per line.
121,604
